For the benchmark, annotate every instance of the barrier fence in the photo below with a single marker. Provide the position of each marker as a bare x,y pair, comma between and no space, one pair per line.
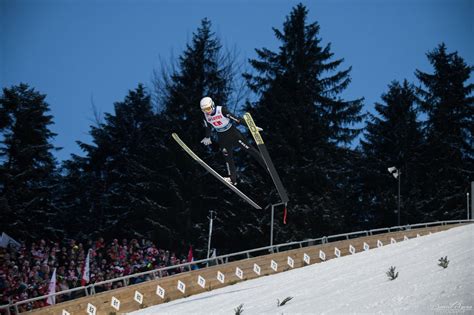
91,290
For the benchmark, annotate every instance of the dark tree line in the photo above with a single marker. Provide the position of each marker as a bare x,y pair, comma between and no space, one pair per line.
134,181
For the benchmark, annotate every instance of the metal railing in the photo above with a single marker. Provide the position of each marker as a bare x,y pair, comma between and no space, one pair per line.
158,273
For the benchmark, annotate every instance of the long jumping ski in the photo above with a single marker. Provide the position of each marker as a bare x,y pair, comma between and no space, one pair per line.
266,157
213,172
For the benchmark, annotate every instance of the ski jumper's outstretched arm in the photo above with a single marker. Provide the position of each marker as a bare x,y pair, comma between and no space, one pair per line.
231,116
207,128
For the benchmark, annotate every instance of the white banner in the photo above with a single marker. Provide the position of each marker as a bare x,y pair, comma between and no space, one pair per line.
86,270
7,240
52,289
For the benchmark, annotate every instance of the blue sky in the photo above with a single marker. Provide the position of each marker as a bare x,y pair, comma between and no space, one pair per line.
83,51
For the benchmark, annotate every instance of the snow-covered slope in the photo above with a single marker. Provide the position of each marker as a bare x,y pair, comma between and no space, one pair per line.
356,284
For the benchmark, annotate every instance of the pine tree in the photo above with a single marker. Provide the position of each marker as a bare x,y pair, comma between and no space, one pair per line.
28,169
123,195
446,99
77,185
204,69
306,121
393,137
199,74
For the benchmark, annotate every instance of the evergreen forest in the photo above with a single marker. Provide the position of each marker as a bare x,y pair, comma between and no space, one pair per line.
332,154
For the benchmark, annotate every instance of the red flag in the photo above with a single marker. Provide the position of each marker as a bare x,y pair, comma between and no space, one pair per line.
52,289
284,216
86,270
190,254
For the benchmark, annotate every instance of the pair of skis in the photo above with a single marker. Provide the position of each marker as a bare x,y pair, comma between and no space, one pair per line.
263,151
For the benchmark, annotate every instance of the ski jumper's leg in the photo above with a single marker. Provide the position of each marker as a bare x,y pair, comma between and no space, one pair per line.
225,143
229,162
249,149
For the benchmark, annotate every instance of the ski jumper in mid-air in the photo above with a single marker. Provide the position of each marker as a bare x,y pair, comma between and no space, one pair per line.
228,136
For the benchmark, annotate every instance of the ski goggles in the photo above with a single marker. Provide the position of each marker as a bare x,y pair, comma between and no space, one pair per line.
207,109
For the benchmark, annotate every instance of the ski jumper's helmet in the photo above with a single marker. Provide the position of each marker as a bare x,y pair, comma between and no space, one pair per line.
207,105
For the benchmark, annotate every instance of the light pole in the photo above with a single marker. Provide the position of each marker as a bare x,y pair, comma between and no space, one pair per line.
472,200
467,205
272,220
397,174
211,217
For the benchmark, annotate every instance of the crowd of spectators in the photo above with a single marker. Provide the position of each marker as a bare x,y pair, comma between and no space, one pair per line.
26,272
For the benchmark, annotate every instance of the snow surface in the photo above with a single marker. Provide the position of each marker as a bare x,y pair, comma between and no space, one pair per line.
356,284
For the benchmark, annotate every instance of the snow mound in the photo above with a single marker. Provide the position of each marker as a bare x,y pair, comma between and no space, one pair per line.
356,284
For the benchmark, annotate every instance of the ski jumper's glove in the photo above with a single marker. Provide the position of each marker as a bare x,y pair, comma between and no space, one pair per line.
206,141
